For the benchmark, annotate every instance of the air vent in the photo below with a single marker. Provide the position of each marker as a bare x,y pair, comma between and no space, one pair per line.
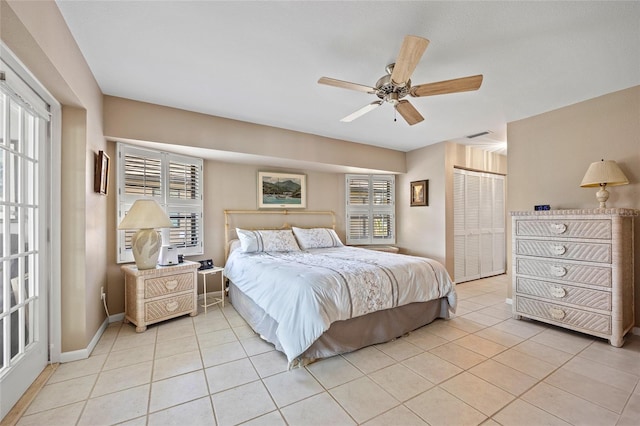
478,134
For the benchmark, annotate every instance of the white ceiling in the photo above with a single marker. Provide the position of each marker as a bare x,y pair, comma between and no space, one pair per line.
260,61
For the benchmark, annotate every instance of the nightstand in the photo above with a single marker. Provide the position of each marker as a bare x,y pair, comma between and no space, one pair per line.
205,298
154,295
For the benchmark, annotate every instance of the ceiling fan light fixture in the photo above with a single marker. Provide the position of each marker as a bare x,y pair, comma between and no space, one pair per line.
396,83
392,98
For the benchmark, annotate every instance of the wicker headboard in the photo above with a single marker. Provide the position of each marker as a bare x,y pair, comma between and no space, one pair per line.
273,219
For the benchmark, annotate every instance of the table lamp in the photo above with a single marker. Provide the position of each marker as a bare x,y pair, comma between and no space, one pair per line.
603,173
146,215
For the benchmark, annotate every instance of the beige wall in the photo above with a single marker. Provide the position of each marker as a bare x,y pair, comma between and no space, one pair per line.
38,35
428,230
549,154
421,230
127,119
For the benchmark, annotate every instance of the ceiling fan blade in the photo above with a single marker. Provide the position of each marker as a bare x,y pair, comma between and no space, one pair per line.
362,111
410,53
346,85
409,113
464,84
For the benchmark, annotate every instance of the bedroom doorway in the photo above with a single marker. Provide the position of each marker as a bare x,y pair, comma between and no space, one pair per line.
24,208
478,225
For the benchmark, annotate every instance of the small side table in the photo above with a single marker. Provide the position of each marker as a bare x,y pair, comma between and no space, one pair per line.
215,300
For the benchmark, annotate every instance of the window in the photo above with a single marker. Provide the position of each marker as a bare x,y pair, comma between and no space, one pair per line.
370,209
175,182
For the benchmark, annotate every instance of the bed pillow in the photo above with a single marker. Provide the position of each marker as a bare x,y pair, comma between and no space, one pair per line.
316,238
266,240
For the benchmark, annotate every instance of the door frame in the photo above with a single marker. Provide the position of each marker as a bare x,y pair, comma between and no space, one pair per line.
50,165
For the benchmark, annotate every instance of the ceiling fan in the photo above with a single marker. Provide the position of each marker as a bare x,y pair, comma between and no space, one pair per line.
396,84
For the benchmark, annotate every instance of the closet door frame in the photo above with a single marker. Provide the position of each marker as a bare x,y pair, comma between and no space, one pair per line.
479,229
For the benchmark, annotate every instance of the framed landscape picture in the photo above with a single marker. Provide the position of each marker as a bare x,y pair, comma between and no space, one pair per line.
282,190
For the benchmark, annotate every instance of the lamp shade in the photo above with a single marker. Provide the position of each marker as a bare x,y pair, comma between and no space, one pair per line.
145,214
604,172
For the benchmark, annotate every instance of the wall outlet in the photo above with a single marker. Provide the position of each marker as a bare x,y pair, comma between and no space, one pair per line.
102,295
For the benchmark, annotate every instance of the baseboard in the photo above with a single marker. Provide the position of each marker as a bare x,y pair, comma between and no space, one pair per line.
84,353
116,317
508,301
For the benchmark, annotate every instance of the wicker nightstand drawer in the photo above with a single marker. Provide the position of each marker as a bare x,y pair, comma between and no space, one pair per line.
165,307
154,287
591,252
596,229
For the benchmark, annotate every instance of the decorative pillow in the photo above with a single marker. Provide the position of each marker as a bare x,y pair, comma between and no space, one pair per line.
266,240
316,238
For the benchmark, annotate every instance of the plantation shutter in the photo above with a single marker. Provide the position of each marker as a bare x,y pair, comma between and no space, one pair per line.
370,209
185,204
175,182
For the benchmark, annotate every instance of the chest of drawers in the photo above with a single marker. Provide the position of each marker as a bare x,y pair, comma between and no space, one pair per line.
574,269
154,295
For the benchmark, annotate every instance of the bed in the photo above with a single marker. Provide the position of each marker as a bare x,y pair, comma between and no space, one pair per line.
312,297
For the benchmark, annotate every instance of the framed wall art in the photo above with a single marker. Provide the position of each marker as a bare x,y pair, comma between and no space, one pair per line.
101,176
282,190
420,193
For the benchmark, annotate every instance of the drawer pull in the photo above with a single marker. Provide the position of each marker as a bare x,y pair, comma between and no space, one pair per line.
558,228
556,313
172,306
171,285
558,292
558,271
559,250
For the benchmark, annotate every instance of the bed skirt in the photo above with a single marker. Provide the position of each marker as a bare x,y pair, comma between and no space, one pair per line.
348,335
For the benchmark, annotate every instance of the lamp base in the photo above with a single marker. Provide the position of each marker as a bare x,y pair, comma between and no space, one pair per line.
145,245
602,196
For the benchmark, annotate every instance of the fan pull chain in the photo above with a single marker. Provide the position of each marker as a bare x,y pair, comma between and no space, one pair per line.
395,115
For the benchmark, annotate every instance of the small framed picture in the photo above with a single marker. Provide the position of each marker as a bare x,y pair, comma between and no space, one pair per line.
101,176
420,193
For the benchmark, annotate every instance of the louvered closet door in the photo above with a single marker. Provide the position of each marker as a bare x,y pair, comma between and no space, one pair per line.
499,250
466,226
478,225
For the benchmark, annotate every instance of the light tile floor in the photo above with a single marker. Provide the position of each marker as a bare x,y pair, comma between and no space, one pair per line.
481,367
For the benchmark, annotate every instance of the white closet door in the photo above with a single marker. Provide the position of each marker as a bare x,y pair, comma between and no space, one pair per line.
478,203
459,237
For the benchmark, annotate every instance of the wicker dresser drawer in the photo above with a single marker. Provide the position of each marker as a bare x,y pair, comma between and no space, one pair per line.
168,306
564,271
591,252
576,318
596,229
563,293
177,283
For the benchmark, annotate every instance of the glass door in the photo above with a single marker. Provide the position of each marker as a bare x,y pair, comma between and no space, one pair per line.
23,272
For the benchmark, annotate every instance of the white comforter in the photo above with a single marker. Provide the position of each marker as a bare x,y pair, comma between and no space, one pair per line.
308,290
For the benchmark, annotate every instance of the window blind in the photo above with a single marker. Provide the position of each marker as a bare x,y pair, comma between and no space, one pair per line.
370,208
175,181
